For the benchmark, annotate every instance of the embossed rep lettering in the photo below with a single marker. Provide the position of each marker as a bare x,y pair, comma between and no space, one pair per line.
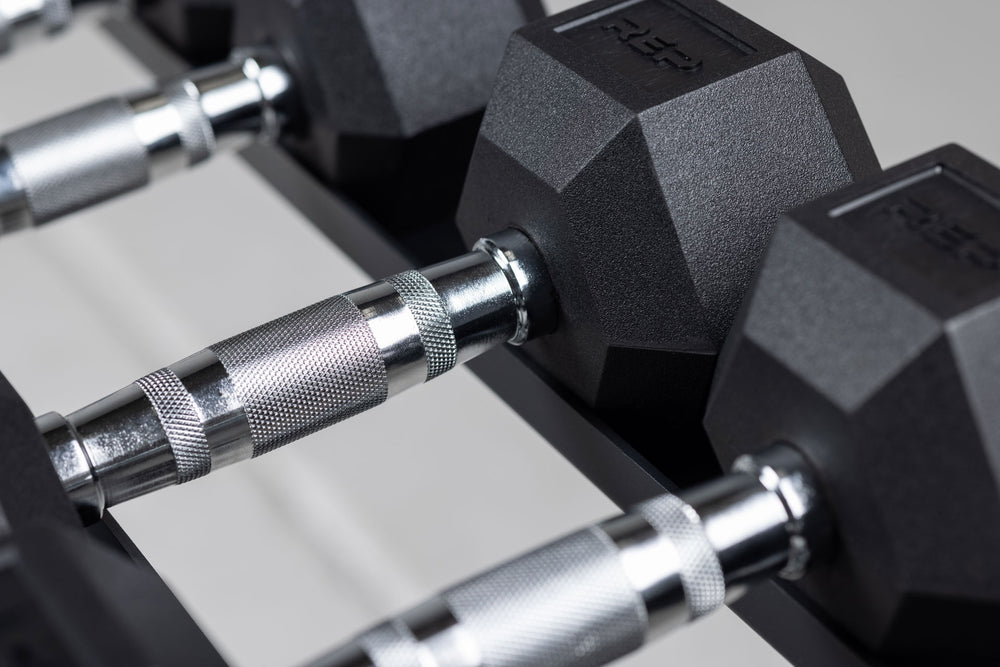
661,51
943,233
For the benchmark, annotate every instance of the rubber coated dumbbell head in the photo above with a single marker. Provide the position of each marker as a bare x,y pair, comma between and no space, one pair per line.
199,30
393,91
870,341
648,149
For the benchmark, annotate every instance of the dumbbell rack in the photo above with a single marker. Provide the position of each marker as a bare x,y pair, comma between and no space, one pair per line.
599,451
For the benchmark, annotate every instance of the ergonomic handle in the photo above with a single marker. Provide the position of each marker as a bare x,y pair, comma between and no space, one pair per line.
283,380
601,592
105,149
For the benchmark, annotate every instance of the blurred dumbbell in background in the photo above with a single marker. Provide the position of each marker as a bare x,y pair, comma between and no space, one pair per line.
199,31
55,267
379,100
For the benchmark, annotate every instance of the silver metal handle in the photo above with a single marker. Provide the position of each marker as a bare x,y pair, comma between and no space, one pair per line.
599,593
20,16
283,380
92,154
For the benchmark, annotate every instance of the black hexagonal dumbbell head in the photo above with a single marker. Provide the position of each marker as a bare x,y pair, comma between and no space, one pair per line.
393,91
648,149
870,341
201,31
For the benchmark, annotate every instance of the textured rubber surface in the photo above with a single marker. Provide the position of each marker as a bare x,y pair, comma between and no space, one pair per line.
181,422
436,330
78,159
196,132
392,93
869,341
652,202
305,371
701,573
567,604
391,645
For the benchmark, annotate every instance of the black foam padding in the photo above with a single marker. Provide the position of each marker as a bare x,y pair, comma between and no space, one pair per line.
30,490
392,92
200,31
870,342
648,149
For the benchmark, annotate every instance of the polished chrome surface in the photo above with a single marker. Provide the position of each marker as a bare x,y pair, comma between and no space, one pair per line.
97,152
653,567
222,416
256,101
672,555
745,524
22,17
72,465
527,276
478,300
126,445
223,106
285,379
784,473
396,334
14,211
433,624
158,128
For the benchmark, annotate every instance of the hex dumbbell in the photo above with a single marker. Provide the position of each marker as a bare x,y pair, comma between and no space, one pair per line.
380,98
198,30
629,232
855,400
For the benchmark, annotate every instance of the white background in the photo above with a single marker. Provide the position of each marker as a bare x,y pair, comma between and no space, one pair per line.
280,558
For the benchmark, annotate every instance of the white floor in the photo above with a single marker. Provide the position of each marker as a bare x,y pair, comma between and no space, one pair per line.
280,558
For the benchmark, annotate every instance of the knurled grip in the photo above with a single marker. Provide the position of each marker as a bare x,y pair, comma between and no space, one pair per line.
72,161
567,604
700,571
436,332
195,129
304,372
181,422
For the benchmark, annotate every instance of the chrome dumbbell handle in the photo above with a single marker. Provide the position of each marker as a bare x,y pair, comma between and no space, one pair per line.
601,592
20,16
274,384
107,148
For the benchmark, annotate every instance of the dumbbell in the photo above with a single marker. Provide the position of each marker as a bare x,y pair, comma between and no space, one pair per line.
18,17
623,237
855,400
378,97
198,30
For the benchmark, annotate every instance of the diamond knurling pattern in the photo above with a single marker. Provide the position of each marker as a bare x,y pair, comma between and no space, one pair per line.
569,603
390,644
305,371
78,158
179,417
433,321
701,574
195,129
